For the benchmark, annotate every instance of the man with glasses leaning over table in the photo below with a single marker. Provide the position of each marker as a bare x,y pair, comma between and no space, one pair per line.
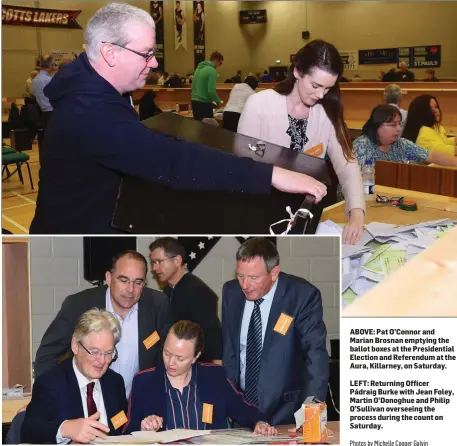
95,137
79,400
143,314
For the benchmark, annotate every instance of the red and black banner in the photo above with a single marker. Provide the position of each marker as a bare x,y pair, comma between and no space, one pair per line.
199,32
157,15
50,18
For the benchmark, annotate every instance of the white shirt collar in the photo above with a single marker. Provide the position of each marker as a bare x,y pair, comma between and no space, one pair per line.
109,304
82,380
269,296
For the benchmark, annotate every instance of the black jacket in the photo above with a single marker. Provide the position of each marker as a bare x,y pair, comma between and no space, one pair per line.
95,138
153,314
191,299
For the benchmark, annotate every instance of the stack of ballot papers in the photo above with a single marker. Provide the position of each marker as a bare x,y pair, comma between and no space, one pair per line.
382,249
150,437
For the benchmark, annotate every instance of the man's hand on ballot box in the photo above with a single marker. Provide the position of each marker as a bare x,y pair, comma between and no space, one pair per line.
84,430
297,183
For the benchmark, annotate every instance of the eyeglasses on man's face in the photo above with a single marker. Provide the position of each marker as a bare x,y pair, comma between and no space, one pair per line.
160,261
95,352
147,56
126,281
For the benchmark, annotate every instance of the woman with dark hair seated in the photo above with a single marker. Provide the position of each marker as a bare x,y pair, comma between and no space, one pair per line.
305,112
238,97
183,393
381,141
423,126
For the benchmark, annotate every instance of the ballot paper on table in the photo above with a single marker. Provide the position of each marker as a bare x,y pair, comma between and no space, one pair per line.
169,436
238,436
368,263
120,439
151,437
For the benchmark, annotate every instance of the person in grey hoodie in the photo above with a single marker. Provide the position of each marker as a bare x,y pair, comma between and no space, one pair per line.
204,87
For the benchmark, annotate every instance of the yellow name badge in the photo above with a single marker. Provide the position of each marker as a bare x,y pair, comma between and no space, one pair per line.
207,416
152,340
316,150
119,420
283,324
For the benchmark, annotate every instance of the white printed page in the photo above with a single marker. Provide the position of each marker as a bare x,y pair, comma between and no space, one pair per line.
398,381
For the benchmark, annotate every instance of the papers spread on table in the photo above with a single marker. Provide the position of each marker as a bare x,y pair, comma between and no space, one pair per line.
150,437
237,436
383,249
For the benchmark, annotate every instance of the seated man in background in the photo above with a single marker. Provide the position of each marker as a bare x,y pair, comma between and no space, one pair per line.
390,76
29,95
76,402
404,75
392,96
274,337
190,298
162,79
430,76
141,312
237,78
174,81
266,78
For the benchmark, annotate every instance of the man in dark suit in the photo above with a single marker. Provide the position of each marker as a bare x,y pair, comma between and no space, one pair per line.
82,399
273,334
190,298
143,314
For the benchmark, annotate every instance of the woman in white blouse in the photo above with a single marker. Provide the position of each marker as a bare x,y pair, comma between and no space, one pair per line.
238,97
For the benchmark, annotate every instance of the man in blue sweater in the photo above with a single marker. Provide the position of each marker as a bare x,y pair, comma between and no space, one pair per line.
95,137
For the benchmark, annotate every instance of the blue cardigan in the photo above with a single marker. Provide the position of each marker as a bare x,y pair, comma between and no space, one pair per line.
148,397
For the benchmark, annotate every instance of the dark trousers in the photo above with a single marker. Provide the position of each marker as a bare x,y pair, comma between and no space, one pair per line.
202,110
231,121
45,117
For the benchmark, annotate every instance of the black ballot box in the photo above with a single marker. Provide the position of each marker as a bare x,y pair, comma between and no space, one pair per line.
151,208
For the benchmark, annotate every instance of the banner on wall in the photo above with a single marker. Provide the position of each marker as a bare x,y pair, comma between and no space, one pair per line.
180,26
157,15
378,56
50,18
350,60
199,32
404,55
426,56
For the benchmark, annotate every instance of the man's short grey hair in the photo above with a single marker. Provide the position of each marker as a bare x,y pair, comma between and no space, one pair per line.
96,320
259,247
392,94
402,64
111,24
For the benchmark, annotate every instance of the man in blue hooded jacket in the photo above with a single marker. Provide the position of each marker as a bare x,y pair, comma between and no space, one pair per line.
95,137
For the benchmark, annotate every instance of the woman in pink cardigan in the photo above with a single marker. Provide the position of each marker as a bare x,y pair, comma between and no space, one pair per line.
305,112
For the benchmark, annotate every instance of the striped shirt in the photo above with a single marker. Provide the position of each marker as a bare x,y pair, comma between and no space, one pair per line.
184,410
